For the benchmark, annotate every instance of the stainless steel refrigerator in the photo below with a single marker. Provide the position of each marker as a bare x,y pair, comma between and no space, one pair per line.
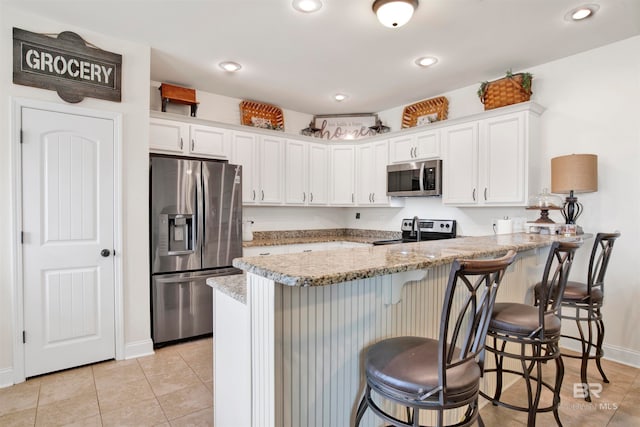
196,231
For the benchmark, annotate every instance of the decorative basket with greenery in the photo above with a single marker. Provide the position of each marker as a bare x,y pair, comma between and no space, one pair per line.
511,89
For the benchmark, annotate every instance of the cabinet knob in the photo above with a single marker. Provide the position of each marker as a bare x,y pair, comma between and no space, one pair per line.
311,197
304,197
193,144
485,193
262,194
373,197
254,195
474,195
181,143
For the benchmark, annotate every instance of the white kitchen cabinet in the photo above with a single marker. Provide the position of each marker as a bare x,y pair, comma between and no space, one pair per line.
208,141
342,175
262,160
306,172
486,162
371,173
417,146
170,136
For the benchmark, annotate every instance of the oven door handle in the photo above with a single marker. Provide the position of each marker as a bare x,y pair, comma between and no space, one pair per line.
422,176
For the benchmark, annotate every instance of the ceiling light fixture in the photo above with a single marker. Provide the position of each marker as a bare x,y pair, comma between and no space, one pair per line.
426,61
394,13
340,97
307,6
230,66
582,12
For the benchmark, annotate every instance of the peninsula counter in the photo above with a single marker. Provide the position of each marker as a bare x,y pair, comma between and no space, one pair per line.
291,353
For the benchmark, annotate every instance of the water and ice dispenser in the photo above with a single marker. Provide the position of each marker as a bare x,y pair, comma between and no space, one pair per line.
177,236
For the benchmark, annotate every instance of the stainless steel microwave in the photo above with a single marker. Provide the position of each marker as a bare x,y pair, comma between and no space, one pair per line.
415,179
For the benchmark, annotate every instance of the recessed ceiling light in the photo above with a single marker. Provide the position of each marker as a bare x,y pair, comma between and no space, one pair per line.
426,61
340,97
230,66
581,12
307,6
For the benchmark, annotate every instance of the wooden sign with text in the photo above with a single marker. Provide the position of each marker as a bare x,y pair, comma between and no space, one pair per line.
67,65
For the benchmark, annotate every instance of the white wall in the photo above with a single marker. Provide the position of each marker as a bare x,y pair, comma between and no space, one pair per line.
135,110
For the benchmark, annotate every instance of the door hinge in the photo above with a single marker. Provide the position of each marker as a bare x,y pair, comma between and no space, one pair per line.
24,337
20,136
21,237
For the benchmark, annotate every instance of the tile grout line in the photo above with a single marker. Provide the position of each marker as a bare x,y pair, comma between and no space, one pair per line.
155,396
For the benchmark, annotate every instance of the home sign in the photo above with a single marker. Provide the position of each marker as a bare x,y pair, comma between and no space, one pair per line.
66,64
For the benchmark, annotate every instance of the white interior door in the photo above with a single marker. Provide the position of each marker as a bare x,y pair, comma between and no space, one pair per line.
68,220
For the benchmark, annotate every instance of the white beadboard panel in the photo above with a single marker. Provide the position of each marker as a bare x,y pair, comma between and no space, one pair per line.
71,304
70,206
308,343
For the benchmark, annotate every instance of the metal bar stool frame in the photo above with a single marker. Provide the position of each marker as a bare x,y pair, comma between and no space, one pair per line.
465,332
588,307
542,342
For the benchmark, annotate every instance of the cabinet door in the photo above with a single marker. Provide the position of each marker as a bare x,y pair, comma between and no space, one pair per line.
503,160
209,142
427,145
271,170
318,174
167,136
296,170
365,155
244,153
342,175
460,164
402,149
379,173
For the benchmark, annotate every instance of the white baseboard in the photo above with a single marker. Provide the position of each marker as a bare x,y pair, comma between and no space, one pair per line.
6,377
611,352
138,349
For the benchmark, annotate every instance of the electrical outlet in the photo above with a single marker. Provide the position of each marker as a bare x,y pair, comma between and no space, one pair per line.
357,215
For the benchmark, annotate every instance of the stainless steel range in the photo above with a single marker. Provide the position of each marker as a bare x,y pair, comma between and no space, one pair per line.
418,230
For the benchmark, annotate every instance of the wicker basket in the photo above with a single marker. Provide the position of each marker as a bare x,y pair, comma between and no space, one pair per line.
505,91
438,106
261,115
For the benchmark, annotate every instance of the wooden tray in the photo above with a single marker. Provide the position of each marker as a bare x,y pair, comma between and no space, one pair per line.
258,114
438,107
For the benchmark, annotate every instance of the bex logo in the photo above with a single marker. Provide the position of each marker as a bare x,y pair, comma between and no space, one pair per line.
582,390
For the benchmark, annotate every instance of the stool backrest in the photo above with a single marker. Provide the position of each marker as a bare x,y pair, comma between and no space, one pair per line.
599,260
554,279
468,304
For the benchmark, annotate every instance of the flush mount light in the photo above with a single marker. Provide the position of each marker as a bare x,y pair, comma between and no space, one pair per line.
426,61
230,66
340,97
581,12
307,6
394,13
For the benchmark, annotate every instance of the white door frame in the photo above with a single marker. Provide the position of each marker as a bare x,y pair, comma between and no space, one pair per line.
16,222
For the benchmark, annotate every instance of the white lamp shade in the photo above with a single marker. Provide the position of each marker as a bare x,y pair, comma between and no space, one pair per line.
394,13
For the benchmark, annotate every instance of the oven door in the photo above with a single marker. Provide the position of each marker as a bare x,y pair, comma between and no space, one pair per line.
415,179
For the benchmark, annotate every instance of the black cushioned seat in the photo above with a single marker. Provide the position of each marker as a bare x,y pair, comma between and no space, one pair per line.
410,365
521,319
578,291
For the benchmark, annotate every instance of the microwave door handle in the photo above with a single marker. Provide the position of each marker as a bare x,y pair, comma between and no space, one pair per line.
422,177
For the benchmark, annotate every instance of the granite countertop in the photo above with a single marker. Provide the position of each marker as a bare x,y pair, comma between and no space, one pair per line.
341,265
275,238
235,286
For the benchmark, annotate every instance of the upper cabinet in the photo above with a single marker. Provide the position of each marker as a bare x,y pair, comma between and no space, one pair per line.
262,160
371,173
488,162
417,146
306,173
168,136
342,175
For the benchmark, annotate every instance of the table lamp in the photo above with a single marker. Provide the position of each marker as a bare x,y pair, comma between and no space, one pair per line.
575,173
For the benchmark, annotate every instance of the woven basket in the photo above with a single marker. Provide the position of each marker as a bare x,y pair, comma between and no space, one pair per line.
505,91
438,106
252,112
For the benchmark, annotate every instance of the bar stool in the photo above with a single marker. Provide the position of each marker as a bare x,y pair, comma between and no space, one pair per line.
535,332
423,373
586,299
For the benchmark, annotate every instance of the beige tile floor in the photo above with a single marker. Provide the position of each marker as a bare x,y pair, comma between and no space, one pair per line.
174,388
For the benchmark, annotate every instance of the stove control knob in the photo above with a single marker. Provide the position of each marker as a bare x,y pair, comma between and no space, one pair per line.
448,225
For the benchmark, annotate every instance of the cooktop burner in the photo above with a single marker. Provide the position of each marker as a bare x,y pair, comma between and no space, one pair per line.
418,230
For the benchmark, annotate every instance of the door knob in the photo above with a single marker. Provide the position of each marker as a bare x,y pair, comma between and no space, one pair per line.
105,252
